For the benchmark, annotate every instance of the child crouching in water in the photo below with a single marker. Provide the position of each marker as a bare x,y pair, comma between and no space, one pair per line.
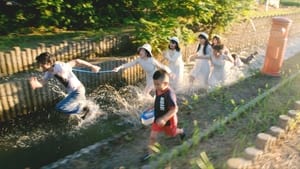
165,108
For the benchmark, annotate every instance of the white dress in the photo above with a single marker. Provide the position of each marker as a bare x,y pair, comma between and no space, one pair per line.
176,65
217,77
201,69
149,65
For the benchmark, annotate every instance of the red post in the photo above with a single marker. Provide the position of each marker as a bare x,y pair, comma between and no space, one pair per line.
276,46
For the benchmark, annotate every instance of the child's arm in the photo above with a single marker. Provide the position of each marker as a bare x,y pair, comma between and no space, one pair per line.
202,57
164,67
207,55
176,56
228,58
163,120
228,55
191,57
161,66
35,83
196,56
126,65
79,62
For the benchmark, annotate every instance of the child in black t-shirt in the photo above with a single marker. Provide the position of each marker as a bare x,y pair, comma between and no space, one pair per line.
165,108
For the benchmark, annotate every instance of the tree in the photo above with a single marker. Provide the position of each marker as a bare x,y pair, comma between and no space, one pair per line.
183,18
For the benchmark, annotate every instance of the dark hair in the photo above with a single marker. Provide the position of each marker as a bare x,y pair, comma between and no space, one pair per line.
160,74
205,45
45,58
147,53
218,47
218,39
177,48
202,36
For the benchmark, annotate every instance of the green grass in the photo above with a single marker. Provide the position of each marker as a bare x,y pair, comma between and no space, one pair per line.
239,134
33,36
231,139
32,39
295,3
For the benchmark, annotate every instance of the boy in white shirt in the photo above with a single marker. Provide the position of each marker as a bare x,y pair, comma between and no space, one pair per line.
72,103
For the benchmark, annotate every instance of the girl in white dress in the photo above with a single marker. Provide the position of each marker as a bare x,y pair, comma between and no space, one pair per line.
201,69
216,40
218,73
176,64
148,63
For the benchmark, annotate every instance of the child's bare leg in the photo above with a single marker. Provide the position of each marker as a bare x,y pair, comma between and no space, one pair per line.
179,131
152,141
191,89
192,78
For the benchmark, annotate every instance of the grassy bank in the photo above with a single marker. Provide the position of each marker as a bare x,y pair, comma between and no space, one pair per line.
231,139
32,39
295,3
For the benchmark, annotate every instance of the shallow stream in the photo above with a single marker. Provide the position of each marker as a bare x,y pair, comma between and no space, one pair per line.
44,137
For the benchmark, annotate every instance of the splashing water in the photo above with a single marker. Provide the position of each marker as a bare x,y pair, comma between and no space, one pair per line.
128,102
233,73
111,111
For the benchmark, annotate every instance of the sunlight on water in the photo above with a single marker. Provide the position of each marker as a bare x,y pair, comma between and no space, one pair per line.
233,73
128,102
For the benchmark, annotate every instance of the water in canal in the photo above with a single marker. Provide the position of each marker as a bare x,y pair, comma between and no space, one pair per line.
45,136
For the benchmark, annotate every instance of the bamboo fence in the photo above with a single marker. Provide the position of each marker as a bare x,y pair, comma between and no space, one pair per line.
17,98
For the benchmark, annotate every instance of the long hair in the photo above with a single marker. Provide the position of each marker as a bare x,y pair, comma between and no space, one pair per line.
205,44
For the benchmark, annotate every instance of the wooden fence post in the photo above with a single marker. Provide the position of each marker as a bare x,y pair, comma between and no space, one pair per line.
3,69
8,62
24,56
13,63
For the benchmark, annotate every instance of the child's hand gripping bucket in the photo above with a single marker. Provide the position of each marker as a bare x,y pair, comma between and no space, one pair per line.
147,117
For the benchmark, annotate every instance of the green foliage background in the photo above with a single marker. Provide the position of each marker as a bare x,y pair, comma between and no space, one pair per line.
152,21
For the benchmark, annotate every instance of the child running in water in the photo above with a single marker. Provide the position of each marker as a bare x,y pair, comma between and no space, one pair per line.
165,108
148,63
201,69
216,40
176,64
73,102
218,73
